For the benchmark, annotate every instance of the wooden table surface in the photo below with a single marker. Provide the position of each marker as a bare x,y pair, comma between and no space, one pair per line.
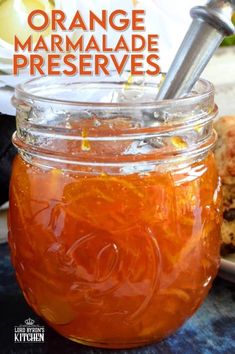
210,330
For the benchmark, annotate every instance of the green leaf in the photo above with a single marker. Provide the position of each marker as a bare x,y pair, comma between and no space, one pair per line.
228,41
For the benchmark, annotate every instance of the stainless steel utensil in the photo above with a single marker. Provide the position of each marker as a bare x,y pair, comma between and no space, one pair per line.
211,23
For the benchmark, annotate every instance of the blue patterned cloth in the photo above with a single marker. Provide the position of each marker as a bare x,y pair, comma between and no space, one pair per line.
210,330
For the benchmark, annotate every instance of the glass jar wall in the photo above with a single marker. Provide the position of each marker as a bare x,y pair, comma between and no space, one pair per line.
114,208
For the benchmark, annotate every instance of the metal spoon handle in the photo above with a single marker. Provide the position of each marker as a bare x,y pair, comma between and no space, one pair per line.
211,23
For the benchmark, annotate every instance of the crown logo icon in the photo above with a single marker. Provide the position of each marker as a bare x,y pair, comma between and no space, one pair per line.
29,322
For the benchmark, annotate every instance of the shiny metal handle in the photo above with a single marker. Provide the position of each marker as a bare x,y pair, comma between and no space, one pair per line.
211,23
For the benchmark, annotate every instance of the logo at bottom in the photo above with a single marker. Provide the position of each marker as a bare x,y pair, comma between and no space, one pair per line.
29,332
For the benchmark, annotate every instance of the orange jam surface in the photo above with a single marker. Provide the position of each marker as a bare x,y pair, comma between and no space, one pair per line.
115,260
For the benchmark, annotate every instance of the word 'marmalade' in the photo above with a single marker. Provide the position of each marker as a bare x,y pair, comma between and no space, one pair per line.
83,44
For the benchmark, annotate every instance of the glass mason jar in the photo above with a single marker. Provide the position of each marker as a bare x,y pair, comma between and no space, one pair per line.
114,207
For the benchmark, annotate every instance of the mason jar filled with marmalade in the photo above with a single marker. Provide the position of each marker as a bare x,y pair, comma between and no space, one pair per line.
114,207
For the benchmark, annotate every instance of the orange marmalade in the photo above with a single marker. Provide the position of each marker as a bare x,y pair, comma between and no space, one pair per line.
114,258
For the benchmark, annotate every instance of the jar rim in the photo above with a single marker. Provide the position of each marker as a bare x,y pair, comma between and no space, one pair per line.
156,130
26,92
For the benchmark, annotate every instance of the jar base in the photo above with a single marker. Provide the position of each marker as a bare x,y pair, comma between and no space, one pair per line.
113,345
